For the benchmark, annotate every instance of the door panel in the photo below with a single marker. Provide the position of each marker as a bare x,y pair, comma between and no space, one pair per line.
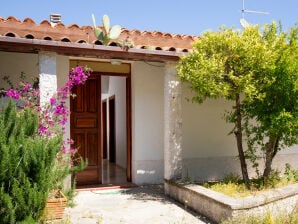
85,128
92,149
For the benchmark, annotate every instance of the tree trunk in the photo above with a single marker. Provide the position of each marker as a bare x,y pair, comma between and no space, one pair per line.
271,149
238,135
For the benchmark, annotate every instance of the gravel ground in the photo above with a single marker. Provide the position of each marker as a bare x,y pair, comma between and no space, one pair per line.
143,204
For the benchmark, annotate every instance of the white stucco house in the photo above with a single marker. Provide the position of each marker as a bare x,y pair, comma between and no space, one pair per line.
133,112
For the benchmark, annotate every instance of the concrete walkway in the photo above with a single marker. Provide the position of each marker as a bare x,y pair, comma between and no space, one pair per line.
144,205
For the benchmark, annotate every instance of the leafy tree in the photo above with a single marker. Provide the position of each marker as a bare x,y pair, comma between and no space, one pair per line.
243,66
275,105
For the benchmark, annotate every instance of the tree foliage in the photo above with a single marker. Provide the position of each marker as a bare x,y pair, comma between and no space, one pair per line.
257,69
275,104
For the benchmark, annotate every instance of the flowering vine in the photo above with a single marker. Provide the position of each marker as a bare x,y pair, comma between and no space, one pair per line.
54,115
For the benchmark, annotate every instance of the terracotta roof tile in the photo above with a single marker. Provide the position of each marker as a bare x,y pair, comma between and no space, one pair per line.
29,20
155,40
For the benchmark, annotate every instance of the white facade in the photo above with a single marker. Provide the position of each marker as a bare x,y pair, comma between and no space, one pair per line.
209,151
147,122
197,134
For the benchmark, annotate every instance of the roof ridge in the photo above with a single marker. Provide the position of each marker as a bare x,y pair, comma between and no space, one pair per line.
14,27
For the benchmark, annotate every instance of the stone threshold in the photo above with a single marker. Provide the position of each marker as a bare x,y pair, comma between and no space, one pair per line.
219,207
104,187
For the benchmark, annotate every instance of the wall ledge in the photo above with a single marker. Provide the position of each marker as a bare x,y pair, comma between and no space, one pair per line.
219,207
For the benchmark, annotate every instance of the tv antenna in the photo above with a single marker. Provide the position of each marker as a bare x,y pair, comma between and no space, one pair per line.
243,22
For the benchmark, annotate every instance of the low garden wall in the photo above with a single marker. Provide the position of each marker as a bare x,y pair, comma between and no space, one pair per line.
219,207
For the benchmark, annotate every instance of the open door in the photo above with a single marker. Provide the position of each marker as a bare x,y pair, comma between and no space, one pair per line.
86,128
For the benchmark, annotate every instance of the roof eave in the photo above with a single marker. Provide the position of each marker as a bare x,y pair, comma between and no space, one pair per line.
23,45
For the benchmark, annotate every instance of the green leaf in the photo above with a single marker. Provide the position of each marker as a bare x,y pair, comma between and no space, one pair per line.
98,33
115,32
93,20
106,23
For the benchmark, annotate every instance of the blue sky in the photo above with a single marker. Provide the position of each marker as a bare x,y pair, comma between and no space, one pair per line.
174,16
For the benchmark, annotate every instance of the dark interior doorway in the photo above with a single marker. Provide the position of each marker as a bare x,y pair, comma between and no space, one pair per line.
112,130
104,130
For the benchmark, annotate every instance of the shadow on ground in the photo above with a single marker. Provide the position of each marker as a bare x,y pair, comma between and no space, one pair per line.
156,193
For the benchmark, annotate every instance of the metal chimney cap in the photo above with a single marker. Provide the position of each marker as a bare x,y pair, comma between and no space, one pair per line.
55,18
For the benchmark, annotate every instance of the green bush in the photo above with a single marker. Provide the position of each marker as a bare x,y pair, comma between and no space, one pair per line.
27,160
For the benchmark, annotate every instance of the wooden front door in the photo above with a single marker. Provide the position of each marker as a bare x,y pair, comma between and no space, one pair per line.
85,128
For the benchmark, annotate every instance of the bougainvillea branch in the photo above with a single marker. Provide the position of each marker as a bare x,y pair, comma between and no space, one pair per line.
53,116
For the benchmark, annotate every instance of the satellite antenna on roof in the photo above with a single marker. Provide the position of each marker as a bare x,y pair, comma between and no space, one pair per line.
243,22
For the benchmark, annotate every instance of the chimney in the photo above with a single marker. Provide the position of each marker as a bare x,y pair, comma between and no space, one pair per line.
54,19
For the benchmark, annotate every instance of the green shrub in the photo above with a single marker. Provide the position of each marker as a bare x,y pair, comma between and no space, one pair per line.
26,165
290,173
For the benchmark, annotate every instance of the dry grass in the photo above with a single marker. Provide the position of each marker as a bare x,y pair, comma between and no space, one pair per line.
233,186
267,219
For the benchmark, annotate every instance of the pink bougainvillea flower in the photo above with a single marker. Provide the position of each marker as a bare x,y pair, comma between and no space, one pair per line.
63,121
63,149
52,101
42,129
13,94
54,116
79,69
27,86
72,151
60,110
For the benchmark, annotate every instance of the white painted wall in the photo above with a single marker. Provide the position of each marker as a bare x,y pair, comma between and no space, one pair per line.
147,122
209,152
117,87
13,64
205,132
